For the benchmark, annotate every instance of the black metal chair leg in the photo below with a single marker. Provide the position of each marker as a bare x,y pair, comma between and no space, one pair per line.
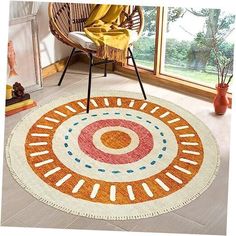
105,68
137,73
90,80
64,71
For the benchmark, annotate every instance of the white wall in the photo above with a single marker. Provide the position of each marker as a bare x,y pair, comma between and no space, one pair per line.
51,49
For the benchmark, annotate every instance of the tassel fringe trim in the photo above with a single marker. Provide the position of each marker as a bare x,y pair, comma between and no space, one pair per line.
111,53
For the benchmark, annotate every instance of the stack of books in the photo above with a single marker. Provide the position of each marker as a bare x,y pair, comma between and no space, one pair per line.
17,104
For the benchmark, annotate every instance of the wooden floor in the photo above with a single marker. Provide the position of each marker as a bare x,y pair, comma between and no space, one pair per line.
205,215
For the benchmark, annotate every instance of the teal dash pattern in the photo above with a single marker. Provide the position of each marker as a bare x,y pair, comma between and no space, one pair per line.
153,162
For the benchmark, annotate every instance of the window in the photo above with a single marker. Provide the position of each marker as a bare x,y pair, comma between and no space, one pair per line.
190,36
178,44
144,48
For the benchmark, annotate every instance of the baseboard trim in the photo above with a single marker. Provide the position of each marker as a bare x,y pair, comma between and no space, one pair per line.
57,66
53,68
60,65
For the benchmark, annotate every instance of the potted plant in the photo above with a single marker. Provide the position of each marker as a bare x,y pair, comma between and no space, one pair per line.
224,67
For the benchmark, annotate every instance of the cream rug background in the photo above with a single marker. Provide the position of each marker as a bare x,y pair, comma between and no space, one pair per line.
107,203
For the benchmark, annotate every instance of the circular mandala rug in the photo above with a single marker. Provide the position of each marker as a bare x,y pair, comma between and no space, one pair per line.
127,159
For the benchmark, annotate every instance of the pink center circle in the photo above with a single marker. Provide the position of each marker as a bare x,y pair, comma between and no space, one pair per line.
85,141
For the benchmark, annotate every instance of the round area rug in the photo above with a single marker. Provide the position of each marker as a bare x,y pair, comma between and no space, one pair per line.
127,159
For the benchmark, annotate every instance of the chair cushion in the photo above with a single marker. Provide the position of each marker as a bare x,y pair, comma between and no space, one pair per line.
81,38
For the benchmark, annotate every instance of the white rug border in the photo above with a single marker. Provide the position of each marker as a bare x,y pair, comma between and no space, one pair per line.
103,211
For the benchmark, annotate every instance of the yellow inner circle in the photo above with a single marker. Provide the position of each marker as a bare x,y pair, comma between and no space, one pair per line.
116,139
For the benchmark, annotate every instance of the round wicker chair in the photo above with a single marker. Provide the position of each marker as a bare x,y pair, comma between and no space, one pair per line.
66,18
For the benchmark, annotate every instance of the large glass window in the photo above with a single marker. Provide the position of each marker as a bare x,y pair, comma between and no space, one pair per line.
192,38
144,48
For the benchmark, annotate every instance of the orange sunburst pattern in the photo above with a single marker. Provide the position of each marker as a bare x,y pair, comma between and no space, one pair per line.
119,148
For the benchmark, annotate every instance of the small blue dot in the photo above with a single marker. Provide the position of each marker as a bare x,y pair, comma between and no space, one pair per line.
106,113
115,171
70,153
117,113
156,127
94,115
69,129
164,149
161,134
84,118
76,123
129,171
66,144
139,117
148,121
128,114
88,166
78,160
66,137
160,156
142,168
101,170
164,141
153,162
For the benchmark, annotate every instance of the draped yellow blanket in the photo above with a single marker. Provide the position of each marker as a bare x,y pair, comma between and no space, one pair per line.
102,27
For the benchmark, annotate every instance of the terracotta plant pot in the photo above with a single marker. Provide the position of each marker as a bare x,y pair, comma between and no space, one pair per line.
221,101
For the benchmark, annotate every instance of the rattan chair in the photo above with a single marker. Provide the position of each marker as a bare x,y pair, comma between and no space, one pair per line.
67,18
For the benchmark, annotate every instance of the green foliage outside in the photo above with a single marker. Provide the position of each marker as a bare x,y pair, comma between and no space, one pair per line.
176,59
176,52
144,48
